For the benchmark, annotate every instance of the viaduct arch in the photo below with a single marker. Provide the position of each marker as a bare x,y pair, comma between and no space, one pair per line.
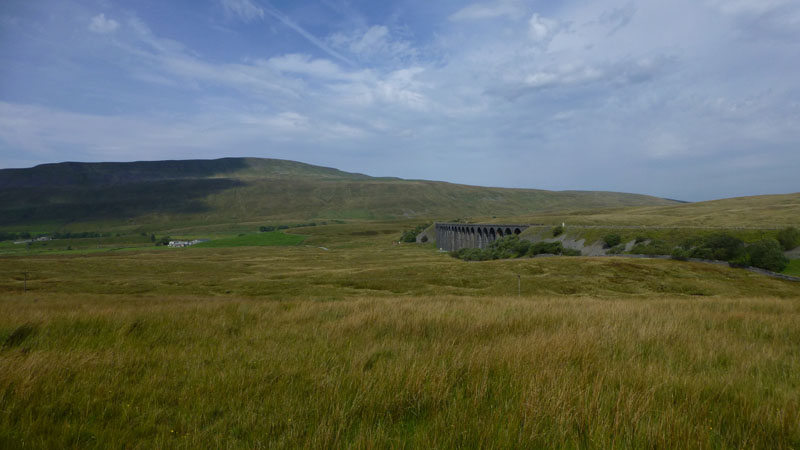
455,236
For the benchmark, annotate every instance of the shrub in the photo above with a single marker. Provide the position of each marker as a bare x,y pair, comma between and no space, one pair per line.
411,235
789,238
690,242
617,249
513,247
640,239
680,254
654,247
508,247
723,246
612,240
266,228
408,236
283,227
558,230
543,248
700,253
522,247
767,254
740,261
471,254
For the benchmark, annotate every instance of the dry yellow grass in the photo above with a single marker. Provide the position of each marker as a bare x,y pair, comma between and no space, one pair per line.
763,211
433,372
374,345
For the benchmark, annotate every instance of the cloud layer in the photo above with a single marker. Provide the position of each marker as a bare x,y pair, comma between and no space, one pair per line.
691,100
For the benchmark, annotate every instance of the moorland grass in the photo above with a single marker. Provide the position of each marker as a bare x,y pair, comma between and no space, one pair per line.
270,238
89,371
339,272
761,211
371,344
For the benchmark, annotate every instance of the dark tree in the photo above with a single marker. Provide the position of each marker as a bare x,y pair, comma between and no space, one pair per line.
789,238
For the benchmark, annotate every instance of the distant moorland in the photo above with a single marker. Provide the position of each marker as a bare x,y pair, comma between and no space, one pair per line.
306,321
247,189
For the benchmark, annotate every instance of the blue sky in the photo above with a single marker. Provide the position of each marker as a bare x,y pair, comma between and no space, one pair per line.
687,99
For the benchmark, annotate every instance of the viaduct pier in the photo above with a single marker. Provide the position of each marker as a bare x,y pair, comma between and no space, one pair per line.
455,236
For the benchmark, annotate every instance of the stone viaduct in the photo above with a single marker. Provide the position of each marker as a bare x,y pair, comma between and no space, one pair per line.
455,236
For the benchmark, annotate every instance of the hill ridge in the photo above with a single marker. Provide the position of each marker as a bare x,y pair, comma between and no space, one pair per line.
80,173
236,188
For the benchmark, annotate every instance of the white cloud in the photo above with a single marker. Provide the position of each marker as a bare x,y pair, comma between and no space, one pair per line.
373,40
375,45
245,10
401,87
566,75
480,11
305,65
541,29
101,25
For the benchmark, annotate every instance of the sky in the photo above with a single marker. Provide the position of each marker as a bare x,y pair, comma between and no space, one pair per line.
685,99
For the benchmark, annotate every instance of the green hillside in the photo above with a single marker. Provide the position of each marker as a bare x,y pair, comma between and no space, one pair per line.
761,211
250,189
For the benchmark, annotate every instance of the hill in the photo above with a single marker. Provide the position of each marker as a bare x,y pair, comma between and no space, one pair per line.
761,211
245,189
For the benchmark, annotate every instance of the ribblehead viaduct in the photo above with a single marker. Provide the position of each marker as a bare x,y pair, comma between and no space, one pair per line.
455,236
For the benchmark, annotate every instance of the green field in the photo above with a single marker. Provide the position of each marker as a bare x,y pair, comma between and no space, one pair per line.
271,238
368,343
793,268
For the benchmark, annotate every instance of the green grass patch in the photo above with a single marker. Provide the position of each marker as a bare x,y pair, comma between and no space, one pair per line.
272,238
793,268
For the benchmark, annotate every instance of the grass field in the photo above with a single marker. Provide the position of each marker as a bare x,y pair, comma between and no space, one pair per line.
793,268
270,238
373,344
430,372
763,212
